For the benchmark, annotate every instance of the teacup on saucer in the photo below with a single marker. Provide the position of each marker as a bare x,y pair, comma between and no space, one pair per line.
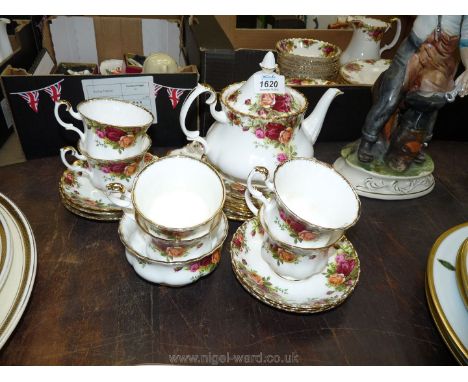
319,292
158,269
182,250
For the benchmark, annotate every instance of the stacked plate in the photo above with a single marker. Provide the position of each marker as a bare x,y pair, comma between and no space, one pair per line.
303,58
18,260
363,72
444,297
80,197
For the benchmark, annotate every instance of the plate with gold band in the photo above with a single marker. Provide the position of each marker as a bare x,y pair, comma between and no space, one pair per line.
443,296
462,271
5,250
15,293
88,213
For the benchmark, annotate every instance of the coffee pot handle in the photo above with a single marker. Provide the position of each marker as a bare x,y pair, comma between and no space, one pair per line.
68,126
76,154
395,39
252,191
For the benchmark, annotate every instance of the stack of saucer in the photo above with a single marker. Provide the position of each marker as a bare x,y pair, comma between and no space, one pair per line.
113,147
294,255
173,233
304,58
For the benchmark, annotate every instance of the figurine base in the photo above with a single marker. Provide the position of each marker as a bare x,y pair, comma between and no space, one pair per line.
385,187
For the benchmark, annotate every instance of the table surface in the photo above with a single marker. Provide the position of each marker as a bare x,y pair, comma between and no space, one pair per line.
89,307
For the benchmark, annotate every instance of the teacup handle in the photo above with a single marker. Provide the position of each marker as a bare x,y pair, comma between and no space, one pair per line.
68,126
123,200
76,154
252,191
395,39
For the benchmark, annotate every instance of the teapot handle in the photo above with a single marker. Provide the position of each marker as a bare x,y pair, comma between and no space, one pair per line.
219,116
68,126
395,39
252,191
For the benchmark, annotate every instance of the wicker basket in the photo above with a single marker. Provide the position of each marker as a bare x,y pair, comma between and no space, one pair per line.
308,58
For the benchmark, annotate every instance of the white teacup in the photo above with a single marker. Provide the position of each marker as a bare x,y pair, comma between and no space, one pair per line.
176,197
113,129
309,194
102,172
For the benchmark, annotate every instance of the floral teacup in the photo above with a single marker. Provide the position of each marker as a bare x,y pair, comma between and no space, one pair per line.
179,250
299,264
175,198
102,172
310,194
113,129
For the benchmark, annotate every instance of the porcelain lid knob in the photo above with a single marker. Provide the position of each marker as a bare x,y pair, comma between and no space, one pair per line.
268,64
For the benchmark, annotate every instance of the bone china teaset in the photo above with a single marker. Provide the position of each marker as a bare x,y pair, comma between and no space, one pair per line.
173,210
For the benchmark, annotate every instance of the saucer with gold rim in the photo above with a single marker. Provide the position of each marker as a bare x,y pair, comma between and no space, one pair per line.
320,292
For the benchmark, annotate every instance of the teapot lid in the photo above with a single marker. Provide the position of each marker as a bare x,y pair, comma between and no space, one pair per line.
246,100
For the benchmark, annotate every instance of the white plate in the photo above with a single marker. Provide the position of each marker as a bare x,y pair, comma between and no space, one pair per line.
450,313
364,72
20,280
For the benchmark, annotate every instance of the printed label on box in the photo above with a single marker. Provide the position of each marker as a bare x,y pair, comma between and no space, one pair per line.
138,90
7,113
269,83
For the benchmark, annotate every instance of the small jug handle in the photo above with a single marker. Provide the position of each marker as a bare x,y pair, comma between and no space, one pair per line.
395,39
252,191
68,126
76,154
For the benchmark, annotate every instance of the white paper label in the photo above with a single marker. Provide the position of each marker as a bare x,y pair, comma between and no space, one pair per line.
136,89
7,113
268,83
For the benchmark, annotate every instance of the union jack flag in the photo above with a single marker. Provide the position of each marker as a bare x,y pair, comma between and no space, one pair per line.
174,96
54,91
32,98
156,89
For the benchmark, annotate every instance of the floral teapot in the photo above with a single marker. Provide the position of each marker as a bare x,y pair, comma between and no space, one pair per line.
257,129
367,35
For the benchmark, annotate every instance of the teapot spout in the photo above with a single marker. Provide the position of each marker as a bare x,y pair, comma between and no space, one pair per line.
313,123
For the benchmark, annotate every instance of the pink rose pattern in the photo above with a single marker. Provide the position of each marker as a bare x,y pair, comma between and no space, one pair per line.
296,229
342,273
279,133
115,137
374,33
203,266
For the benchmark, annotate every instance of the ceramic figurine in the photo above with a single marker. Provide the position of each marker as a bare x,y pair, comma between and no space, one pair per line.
388,162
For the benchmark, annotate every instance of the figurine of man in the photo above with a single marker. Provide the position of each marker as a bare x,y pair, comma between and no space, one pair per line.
412,90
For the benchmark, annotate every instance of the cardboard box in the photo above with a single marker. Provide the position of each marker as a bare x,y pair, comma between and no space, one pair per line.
226,54
24,52
39,132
